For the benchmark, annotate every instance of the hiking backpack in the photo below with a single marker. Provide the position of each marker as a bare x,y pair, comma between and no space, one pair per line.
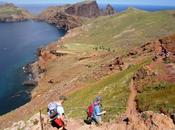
90,110
52,110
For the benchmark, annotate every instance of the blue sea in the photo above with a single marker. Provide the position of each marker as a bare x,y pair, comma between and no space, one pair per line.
38,8
18,45
121,8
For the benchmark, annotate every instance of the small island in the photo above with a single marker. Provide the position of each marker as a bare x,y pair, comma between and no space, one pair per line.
11,13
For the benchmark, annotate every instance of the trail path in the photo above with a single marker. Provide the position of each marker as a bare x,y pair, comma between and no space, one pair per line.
131,108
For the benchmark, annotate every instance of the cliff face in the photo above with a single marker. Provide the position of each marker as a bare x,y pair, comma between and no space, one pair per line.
11,13
89,9
69,16
60,19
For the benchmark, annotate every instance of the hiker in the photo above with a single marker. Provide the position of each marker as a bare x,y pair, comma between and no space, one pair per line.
94,112
56,113
165,53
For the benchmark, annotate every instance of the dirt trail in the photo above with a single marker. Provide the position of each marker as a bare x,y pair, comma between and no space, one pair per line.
131,108
135,121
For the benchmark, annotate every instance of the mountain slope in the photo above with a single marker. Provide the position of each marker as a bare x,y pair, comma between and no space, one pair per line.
99,57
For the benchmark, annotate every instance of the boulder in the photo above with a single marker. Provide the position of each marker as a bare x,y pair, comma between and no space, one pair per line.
140,74
159,121
30,83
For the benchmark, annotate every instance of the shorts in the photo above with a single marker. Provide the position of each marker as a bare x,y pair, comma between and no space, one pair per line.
58,123
97,120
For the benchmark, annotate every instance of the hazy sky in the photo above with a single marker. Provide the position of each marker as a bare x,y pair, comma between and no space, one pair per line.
131,2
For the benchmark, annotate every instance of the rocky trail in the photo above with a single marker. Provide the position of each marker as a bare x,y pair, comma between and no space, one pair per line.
131,108
131,120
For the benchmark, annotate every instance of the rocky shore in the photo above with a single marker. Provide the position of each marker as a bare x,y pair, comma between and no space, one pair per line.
66,17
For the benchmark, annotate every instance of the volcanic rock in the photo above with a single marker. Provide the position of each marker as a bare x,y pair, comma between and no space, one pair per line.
61,19
109,10
84,9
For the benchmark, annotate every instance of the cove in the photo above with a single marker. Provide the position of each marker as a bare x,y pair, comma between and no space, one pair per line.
18,45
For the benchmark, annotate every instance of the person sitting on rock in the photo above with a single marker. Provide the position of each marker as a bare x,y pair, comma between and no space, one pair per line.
97,113
56,113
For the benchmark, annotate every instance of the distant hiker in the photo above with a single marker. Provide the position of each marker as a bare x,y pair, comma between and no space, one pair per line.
165,52
56,113
94,112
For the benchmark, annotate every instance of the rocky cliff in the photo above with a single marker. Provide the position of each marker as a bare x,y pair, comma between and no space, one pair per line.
60,19
69,16
11,13
109,10
84,9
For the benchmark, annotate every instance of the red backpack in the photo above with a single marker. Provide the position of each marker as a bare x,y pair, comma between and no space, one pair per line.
90,110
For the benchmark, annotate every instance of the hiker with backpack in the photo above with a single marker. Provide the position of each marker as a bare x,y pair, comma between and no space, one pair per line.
56,113
94,112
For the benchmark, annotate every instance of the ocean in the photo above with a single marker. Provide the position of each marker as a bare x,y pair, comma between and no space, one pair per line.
121,8
18,46
38,8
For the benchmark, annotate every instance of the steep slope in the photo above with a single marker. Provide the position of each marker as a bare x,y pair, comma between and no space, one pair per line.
71,16
156,92
84,9
57,16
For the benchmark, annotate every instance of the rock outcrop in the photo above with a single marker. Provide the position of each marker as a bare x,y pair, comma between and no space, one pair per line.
11,13
84,9
60,19
109,10
70,16
150,121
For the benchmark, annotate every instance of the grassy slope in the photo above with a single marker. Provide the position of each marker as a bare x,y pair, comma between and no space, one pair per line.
158,95
120,33
114,90
8,10
123,31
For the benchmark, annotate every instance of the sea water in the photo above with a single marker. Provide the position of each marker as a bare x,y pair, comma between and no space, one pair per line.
18,45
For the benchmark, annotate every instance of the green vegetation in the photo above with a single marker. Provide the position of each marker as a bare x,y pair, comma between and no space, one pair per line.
8,10
124,31
119,34
114,89
158,96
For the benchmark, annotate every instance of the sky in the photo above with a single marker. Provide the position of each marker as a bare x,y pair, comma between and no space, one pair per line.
130,2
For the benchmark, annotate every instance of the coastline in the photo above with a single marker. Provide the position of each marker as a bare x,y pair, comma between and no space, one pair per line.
34,73
68,64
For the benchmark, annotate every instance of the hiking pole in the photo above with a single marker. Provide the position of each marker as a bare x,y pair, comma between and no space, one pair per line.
41,121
